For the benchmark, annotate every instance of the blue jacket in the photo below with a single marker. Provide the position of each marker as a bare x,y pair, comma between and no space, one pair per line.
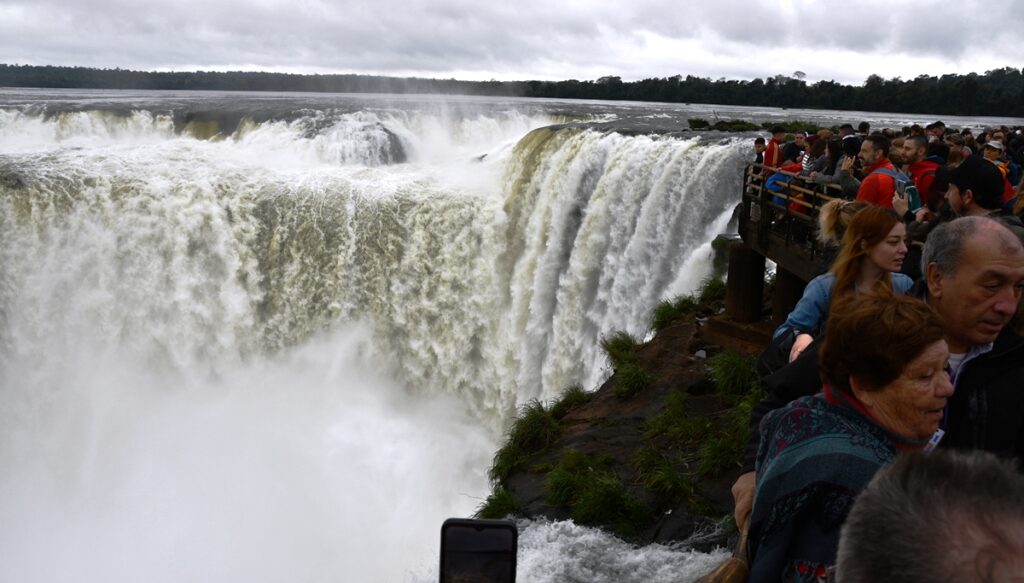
811,311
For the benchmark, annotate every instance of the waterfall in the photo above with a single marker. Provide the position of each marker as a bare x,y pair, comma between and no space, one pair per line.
284,349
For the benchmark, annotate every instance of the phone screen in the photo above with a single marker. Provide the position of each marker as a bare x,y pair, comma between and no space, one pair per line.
478,551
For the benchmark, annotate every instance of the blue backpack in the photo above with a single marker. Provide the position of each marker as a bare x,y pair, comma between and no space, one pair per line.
904,187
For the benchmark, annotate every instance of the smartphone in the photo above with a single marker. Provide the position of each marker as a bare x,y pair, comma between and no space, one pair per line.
478,551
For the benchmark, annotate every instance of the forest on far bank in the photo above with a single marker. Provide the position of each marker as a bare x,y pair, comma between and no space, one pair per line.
999,92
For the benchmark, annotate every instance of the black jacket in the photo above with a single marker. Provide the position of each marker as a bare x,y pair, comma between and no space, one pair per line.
986,410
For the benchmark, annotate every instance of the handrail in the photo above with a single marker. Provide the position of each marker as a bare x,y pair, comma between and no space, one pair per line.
782,226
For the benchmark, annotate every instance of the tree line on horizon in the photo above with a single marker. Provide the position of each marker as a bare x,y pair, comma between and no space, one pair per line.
999,92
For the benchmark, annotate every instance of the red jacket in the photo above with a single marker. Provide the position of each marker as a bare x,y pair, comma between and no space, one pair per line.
772,156
923,173
878,188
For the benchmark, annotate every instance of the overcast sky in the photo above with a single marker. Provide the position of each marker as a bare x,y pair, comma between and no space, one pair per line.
521,39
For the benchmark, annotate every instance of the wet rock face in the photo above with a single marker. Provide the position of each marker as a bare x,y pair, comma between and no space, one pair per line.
396,153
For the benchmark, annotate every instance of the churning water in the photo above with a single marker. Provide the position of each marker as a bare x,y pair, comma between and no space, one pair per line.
276,338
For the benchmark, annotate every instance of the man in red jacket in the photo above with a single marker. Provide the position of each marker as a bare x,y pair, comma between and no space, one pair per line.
922,168
878,186
773,153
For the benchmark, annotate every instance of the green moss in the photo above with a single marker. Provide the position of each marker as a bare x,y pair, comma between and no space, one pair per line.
533,431
567,479
718,454
682,430
500,504
620,348
734,374
711,290
673,422
631,380
735,125
606,501
669,311
571,398
723,450
594,494
659,476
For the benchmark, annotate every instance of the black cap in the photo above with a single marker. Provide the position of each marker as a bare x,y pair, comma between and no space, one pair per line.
978,175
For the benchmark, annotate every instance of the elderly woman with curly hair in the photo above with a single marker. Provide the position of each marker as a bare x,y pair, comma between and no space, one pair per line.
883,362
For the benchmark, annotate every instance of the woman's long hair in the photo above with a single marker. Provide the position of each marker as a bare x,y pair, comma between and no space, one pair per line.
869,227
834,151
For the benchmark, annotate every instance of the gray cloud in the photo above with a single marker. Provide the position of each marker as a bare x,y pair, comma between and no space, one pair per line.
527,39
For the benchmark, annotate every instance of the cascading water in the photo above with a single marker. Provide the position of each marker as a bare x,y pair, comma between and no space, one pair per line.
278,353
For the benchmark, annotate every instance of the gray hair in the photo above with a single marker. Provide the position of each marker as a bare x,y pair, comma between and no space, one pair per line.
945,244
947,516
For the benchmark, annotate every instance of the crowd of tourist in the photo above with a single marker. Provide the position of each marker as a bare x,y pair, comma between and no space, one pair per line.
886,445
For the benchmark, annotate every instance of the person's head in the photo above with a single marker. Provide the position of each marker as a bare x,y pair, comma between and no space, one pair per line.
834,218
816,149
944,516
778,133
834,149
790,153
759,145
872,244
851,146
975,186
887,351
863,127
938,150
873,149
915,148
955,142
993,149
974,268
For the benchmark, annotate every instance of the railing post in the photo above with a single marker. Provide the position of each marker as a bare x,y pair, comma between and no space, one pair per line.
744,291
